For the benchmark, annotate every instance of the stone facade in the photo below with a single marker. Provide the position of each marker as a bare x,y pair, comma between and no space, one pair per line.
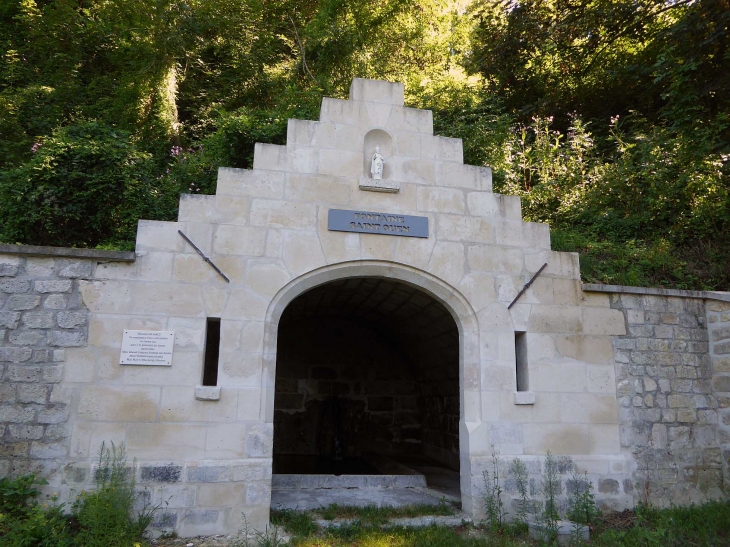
667,404
41,314
210,460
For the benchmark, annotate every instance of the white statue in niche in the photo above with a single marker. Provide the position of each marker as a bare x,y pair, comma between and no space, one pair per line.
377,165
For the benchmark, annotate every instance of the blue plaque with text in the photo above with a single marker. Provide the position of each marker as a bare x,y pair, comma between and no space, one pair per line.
367,222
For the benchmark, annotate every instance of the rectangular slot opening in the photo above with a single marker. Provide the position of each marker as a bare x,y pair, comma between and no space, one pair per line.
212,350
523,381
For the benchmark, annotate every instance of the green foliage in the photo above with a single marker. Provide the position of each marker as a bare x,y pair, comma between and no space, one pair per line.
705,524
105,515
26,523
581,501
297,523
609,118
521,477
86,186
493,505
550,489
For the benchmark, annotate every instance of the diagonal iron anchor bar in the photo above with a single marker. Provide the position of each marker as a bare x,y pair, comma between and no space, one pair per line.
208,260
527,286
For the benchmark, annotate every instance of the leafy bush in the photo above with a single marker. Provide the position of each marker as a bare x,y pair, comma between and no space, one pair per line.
87,185
26,523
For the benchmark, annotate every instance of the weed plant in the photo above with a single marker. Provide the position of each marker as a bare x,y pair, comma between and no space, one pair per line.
493,495
581,500
105,515
521,475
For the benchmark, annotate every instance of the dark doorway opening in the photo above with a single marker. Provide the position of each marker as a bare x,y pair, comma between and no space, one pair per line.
367,381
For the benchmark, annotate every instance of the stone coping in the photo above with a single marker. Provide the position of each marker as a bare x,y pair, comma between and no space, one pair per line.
709,295
34,250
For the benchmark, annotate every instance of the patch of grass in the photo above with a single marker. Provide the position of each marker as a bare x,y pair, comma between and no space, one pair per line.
360,535
707,524
297,523
373,515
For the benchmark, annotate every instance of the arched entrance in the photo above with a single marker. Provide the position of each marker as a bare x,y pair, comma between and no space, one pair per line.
335,405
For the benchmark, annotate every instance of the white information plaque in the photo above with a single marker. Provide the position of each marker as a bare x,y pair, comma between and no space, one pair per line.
147,347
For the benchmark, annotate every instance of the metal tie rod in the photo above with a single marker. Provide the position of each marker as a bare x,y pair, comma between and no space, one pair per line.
208,260
527,286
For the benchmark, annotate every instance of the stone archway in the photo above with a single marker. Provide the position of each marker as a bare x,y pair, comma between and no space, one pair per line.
445,297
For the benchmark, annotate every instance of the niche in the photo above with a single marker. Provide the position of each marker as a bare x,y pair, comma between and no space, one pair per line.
373,138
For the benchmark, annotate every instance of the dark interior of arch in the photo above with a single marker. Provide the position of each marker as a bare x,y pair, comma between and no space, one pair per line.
365,366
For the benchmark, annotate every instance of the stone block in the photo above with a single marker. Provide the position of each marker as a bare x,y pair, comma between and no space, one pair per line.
9,320
192,269
463,228
45,451
16,355
38,320
283,214
496,259
75,268
717,305
71,319
558,438
26,432
310,133
721,383
411,170
168,299
301,159
719,364
721,348
178,404
270,157
239,240
32,393
243,182
603,321
52,286
155,441
406,144
443,200
557,319
343,112
225,441
313,188
55,302
410,119
442,149
16,414
343,163
9,266
302,253
66,339
718,333
18,449
447,262
14,286
22,302
259,441
376,91
589,408
558,376
591,349
207,393
161,473
118,403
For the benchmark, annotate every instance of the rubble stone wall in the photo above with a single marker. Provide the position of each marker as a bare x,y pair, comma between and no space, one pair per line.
669,380
41,314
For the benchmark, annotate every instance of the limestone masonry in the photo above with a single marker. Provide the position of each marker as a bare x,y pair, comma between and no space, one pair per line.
327,346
